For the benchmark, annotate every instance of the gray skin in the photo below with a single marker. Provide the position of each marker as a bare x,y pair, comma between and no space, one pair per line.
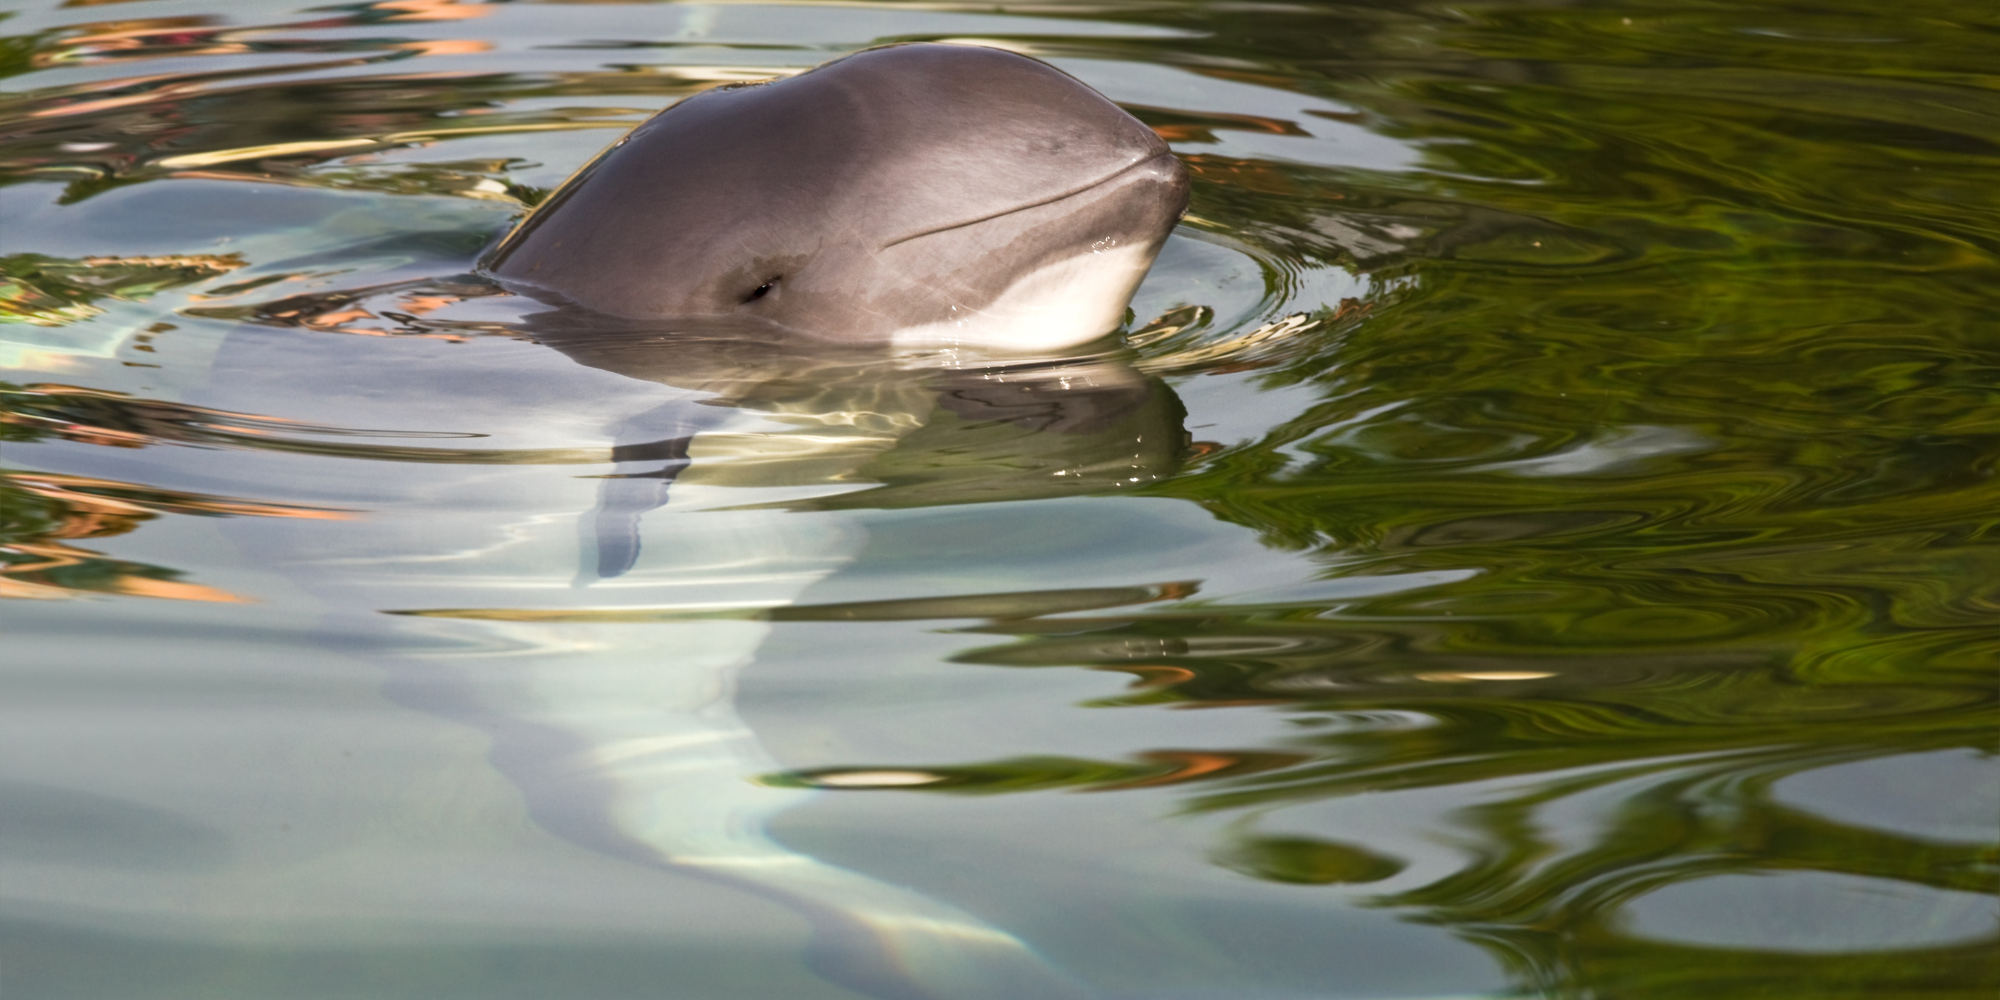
897,189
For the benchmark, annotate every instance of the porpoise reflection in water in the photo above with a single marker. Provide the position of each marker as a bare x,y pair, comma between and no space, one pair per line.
776,253
612,706
841,419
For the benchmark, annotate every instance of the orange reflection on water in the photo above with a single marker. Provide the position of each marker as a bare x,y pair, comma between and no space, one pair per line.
49,509
1183,766
432,10
30,580
88,495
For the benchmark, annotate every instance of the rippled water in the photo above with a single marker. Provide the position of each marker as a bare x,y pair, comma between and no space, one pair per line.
1569,505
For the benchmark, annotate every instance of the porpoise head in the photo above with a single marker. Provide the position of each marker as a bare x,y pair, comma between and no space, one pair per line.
909,196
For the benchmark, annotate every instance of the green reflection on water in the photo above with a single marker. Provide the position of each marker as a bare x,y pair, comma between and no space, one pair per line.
1688,362
1680,380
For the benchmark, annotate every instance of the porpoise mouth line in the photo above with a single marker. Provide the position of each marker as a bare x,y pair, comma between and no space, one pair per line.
1051,199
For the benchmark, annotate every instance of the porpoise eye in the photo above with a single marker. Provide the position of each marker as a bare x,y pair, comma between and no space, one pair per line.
761,291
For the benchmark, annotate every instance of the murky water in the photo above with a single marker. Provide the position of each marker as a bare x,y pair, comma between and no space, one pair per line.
1535,538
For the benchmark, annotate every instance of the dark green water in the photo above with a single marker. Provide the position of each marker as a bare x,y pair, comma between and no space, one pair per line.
1581,581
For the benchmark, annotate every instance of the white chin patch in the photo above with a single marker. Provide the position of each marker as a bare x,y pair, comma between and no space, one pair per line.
1060,304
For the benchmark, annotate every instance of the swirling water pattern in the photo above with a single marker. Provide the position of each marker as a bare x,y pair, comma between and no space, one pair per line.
1580,553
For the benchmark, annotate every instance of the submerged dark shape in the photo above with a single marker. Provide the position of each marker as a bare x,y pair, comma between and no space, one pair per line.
913,195
928,435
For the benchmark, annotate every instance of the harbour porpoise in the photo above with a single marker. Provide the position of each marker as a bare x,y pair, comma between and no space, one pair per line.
825,270
910,196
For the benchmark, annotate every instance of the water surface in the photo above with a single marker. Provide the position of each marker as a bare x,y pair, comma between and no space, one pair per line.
1533,539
